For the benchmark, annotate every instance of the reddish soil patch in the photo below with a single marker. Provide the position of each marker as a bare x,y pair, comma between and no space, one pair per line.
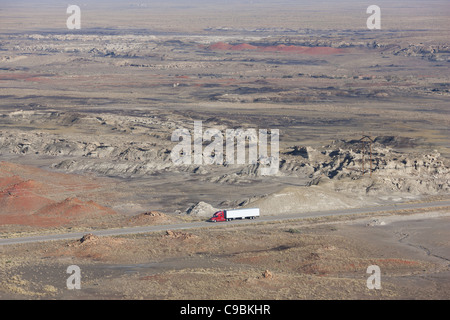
220,46
42,200
73,208
42,212
20,198
40,79
243,46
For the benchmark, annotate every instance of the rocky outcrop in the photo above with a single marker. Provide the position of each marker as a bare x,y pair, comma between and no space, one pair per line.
139,146
201,209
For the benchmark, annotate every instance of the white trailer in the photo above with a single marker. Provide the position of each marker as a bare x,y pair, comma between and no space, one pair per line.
250,213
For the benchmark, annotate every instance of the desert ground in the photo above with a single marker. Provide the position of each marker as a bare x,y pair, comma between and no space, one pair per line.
86,124
320,259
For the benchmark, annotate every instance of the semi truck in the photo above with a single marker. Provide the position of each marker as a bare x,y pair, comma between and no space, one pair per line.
228,215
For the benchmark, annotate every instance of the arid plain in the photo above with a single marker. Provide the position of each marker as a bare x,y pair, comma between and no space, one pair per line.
86,119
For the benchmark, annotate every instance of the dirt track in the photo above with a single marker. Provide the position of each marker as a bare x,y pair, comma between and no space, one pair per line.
324,259
392,209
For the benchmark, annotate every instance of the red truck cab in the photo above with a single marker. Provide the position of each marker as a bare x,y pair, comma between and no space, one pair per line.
218,216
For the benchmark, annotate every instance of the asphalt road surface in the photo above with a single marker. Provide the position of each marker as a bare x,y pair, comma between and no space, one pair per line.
203,224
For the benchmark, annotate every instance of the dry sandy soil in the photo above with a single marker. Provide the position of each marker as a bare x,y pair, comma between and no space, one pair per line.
86,118
321,259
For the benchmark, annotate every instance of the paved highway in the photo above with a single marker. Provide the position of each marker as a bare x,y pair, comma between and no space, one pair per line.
202,224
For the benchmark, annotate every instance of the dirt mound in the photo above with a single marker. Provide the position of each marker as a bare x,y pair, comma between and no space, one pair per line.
91,240
243,46
20,197
304,199
267,274
32,196
88,238
15,184
34,210
93,247
73,208
201,209
6,182
220,46
179,235
151,217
